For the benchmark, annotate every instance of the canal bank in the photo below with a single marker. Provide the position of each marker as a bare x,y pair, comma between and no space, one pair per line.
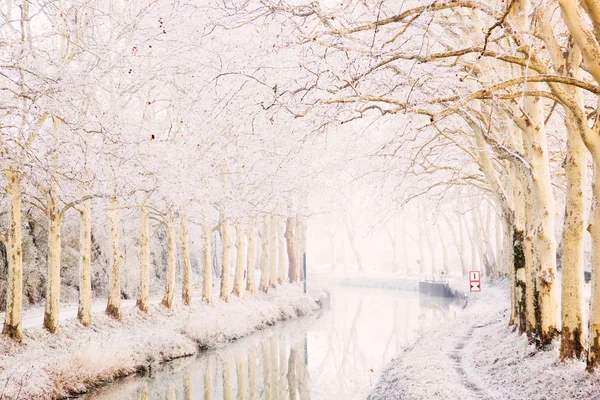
478,356
78,359
335,353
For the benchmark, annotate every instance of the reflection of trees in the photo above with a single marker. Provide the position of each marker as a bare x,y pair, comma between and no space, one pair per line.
144,392
274,367
252,373
208,380
394,334
282,365
227,382
242,375
302,378
171,395
266,358
291,374
339,358
187,387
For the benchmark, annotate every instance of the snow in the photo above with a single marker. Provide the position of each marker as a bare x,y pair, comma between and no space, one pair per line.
478,356
47,366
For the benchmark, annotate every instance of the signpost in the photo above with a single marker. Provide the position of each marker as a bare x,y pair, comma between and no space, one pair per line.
475,281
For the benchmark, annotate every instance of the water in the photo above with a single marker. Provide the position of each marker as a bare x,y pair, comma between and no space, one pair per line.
337,354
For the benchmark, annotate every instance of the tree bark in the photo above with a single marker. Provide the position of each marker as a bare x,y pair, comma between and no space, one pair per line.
241,259
530,264
14,292
573,329
167,300
353,245
291,251
251,281
226,258
113,308
142,301
545,210
206,258
281,249
594,228
84,313
273,275
444,251
54,255
266,260
186,294
462,246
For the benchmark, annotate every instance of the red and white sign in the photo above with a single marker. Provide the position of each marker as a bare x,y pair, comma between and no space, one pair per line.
475,281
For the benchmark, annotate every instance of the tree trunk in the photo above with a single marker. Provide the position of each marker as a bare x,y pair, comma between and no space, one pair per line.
54,254
291,251
594,228
167,300
113,308
226,259
241,259
432,251
500,267
301,232
250,283
332,248
14,292
84,313
186,294
444,251
461,246
142,301
572,343
266,259
274,260
545,211
206,258
354,247
530,265
281,248
407,263
393,241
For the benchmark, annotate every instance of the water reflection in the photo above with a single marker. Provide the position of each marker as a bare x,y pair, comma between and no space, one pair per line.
337,354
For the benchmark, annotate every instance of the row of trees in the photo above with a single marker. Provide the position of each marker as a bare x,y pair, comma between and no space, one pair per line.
118,149
509,90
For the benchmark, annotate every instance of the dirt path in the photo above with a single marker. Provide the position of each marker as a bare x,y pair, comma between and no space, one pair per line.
458,356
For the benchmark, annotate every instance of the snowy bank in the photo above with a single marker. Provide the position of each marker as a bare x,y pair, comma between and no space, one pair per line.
478,356
47,366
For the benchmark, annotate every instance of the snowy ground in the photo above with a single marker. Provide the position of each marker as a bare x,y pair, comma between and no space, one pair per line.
48,366
478,356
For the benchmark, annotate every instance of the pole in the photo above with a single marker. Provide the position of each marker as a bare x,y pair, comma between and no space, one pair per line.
304,272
